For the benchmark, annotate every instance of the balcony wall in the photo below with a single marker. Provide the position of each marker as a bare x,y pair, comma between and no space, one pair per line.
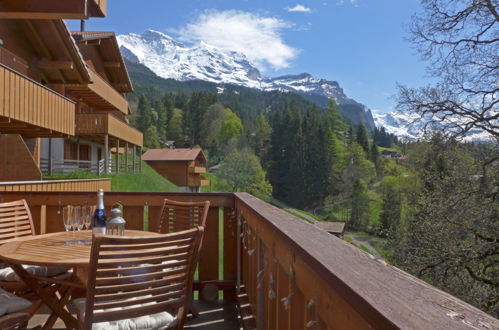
105,123
291,274
31,109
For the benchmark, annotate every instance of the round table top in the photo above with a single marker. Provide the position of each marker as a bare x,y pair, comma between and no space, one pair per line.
57,249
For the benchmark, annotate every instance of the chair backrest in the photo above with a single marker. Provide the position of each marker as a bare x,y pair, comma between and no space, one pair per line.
176,216
15,221
156,271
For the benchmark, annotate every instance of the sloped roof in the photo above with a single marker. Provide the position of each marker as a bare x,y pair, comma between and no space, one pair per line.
331,227
180,154
110,50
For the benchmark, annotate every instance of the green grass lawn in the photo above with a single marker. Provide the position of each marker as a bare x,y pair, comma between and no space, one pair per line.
146,181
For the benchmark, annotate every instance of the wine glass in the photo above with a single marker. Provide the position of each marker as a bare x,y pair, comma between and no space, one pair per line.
76,216
88,219
67,217
80,221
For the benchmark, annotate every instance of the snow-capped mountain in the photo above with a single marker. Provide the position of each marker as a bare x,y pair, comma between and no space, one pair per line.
410,127
169,58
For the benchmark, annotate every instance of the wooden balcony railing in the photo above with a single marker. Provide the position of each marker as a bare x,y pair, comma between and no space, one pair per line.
72,165
49,9
107,92
291,274
29,108
90,185
197,169
105,123
196,180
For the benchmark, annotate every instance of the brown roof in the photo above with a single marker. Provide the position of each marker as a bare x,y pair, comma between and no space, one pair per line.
331,227
110,51
180,154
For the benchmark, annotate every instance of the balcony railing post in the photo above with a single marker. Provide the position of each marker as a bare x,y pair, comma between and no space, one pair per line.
238,254
140,157
106,153
133,157
126,158
50,157
117,156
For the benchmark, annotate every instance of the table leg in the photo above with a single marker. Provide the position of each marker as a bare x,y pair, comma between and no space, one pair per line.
65,294
48,297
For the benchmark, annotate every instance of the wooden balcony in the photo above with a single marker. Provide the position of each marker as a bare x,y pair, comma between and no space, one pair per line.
285,273
100,94
93,126
197,169
31,109
52,9
195,180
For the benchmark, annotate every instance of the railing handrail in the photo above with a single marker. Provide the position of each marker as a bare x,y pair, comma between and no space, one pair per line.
36,82
391,297
6,183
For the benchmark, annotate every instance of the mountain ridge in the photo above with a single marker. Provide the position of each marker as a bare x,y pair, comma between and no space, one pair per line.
170,59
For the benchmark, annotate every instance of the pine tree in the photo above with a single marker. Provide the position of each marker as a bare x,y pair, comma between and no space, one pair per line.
360,206
361,137
145,118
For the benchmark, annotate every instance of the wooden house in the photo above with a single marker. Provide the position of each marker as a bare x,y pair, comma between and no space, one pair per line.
335,228
182,166
50,78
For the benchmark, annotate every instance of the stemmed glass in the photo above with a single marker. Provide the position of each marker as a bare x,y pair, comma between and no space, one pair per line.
81,219
67,217
76,217
88,218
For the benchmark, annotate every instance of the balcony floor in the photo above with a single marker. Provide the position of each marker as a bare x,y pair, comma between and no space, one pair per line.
217,315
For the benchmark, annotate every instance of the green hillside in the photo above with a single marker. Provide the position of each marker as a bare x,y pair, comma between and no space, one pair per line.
148,181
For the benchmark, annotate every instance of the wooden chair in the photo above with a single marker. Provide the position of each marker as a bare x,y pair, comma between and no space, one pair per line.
16,221
14,321
176,216
145,281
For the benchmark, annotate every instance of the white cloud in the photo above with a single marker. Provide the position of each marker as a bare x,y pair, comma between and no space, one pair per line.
258,37
299,8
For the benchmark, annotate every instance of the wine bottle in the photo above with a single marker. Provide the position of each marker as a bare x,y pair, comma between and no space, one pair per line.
100,215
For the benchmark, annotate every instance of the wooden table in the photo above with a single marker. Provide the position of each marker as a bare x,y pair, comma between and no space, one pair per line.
69,249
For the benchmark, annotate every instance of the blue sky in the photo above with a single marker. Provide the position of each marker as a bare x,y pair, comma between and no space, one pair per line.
359,43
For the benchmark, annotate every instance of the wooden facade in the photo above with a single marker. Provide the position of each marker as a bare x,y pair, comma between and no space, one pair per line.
183,167
291,274
49,75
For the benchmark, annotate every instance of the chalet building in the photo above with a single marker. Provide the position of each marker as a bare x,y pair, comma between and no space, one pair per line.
335,228
62,104
182,166
390,154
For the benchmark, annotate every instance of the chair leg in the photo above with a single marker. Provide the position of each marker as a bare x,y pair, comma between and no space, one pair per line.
193,310
35,307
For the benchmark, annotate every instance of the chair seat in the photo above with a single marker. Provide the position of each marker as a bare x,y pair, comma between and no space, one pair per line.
10,303
7,274
158,321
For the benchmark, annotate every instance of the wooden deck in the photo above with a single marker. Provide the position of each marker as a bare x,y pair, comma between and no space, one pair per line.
219,315
292,274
